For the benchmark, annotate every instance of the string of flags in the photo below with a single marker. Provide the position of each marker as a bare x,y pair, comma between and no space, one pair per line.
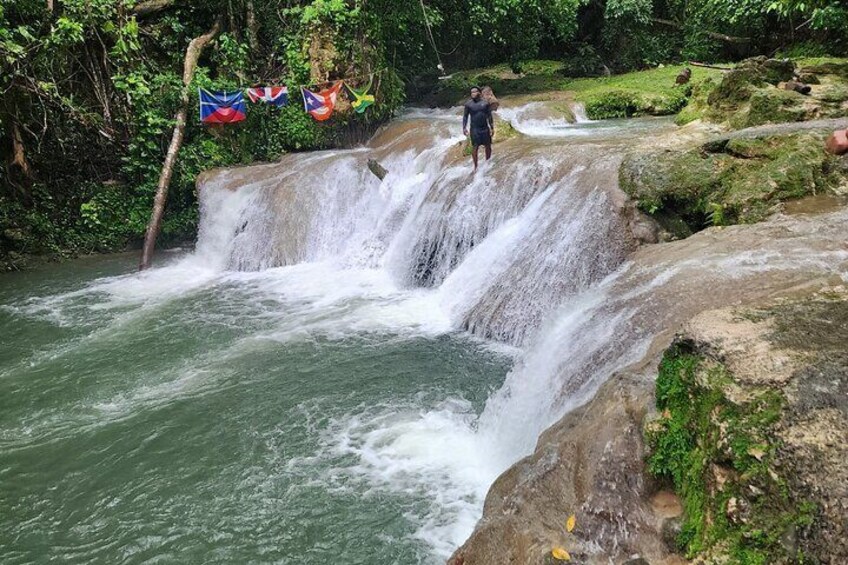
228,107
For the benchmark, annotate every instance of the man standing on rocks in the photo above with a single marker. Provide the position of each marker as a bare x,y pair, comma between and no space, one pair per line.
482,124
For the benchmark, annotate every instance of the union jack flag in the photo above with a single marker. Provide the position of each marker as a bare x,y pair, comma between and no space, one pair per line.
274,95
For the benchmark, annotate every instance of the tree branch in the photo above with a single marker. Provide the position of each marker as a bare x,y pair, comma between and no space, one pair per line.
149,7
713,34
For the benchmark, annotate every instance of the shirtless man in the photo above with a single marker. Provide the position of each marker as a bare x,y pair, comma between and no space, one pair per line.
482,124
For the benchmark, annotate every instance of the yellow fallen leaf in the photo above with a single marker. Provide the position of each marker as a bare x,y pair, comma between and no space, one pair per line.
572,521
561,554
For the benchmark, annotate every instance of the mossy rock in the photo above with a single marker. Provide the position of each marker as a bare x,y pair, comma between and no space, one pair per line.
698,102
620,103
718,453
728,181
838,67
566,110
746,97
833,90
752,412
737,85
734,89
771,105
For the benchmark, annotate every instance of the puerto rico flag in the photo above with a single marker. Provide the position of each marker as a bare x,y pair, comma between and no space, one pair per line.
321,104
221,107
274,95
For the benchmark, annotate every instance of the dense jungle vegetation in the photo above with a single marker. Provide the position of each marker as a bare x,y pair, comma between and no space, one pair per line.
90,87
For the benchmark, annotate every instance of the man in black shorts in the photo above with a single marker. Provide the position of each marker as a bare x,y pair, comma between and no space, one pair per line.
482,124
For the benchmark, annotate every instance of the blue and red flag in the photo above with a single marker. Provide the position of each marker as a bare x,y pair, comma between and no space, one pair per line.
321,104
221,107
274,95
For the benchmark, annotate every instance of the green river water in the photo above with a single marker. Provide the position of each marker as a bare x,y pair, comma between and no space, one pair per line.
193,417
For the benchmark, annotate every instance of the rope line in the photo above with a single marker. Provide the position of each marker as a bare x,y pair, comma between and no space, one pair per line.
291,87
430,35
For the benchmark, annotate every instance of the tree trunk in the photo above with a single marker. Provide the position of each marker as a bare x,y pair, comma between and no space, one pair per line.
195,48
252,33
713,34
19,159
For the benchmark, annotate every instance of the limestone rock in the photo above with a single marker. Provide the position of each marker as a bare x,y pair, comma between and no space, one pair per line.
589,464
779,375
377,169
760,90
728,180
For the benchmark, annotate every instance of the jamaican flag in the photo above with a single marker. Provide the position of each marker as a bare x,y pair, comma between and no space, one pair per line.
361,98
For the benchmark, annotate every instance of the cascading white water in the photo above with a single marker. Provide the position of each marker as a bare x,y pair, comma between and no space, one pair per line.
504,245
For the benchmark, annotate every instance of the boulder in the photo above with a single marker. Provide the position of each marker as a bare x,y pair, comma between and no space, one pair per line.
837,143
727,180
377,169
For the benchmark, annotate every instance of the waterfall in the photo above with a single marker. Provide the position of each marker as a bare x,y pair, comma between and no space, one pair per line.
540,223
535,250
341,342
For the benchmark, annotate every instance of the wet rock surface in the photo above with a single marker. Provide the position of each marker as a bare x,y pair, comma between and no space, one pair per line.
589,465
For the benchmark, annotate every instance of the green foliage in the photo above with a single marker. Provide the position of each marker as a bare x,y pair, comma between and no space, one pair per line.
650,92
108,86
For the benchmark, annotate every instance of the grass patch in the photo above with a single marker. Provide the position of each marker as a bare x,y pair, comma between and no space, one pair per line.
652,92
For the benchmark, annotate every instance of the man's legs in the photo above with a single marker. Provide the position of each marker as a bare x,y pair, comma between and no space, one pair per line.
474,155
488,151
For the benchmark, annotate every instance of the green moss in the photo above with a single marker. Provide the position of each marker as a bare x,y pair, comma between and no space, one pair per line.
697,105
728,181
824,65
652,92
771,105
612,104
719,454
